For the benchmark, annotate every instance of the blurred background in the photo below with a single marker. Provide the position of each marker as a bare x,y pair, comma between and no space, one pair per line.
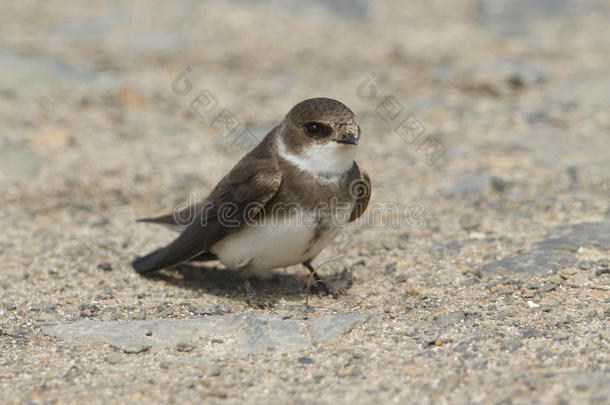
490,117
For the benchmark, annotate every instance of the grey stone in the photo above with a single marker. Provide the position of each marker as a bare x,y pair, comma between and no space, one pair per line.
10,306
390,268
20,332
215,310
136,348
480,364
328,327
305,360
72,373
114,358
528,333
585,266
511,344
470,222
498,184
241,334
105,266
546,287
470,282
185,347
450,319
102,222
553,253
460,347
215,371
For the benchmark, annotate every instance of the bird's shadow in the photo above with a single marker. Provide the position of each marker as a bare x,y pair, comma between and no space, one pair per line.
227,282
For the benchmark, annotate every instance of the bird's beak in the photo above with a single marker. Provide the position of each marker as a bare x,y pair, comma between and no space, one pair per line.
348,139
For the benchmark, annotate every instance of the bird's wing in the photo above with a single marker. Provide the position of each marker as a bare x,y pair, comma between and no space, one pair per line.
361,190
240,195
179,218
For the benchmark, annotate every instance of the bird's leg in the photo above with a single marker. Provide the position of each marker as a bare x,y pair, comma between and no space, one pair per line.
251,296
321,284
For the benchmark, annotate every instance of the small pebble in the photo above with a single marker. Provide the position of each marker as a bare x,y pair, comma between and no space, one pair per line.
511,344
546,287
450,319
185,347
600,272
480,364
461,347
104,266
305,360
356,372
498,184
136,349
390,268
528,333
215,371
567,272
114,358
470,223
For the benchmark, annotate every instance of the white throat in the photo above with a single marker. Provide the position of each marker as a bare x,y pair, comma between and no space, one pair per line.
325,162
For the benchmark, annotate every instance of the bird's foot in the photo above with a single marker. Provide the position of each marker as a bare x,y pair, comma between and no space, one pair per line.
251,297
254,301
322,287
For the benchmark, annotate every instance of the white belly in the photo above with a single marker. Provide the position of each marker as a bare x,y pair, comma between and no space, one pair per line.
273,244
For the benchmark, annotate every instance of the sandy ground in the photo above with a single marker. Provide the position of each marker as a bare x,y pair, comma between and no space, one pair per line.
480,274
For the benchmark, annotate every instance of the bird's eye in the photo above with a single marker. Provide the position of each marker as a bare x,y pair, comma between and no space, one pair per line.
313,128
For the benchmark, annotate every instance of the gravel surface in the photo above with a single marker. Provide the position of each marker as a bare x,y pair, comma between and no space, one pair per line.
479,275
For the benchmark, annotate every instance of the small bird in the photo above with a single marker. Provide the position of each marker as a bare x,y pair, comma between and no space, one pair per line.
281,204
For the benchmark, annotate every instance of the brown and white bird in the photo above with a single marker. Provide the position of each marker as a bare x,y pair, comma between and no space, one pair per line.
281,204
